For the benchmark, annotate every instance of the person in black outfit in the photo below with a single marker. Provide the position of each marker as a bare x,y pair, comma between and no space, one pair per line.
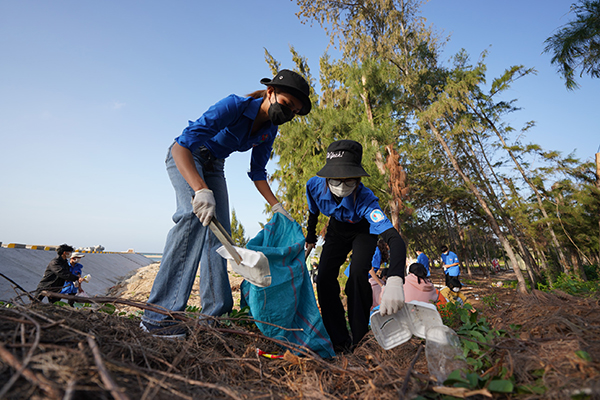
56,274
355,222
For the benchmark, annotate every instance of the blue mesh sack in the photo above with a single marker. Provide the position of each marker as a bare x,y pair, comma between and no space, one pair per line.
289,301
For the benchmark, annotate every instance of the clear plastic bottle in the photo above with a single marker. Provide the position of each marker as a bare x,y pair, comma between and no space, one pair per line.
443,352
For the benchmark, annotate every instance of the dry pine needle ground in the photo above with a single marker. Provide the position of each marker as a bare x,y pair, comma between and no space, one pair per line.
56,352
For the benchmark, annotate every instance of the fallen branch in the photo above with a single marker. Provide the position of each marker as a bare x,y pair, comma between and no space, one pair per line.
407,376
32,377
31,298
35,344
116,392
193,382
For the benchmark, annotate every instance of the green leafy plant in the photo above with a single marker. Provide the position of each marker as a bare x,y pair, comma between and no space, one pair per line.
477,338
572,285
239,317
108,308
192,309
449,313
490,301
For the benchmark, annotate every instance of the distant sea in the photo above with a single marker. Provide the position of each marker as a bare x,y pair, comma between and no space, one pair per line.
156,257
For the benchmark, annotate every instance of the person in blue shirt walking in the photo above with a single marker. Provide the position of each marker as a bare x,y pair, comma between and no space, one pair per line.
424,260
450,263
355,221
195,164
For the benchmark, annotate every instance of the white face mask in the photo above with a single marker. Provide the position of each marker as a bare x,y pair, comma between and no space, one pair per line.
342,190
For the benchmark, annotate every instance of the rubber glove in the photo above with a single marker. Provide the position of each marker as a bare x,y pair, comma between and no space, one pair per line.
204,205
392,299
279,208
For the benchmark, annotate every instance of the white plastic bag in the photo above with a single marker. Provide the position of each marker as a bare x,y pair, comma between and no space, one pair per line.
254,267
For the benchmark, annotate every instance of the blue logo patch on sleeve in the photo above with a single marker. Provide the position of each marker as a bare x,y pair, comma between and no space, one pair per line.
376,216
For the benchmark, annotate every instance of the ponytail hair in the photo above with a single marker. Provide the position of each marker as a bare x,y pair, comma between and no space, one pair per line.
419,271
258,94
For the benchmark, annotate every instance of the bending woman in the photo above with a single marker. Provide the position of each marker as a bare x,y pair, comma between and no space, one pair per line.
356,219
195,164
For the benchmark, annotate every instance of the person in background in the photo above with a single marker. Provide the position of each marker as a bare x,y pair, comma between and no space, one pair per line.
423,260
56,274
196,166
76,268
356,220
450,263
417,285
314,271
452,293
380,257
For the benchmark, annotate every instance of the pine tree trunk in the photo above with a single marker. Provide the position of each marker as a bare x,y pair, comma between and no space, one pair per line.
488,189
521,285
598,186
561,256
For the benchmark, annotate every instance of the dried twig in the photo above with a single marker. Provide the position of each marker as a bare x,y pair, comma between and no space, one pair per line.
104,375
407,376
32,377
16,376
31,298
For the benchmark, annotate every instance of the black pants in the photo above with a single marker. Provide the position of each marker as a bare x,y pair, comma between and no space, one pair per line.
342,237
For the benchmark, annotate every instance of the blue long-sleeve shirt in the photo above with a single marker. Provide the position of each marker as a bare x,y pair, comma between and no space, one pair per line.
423,259
352,209
226,127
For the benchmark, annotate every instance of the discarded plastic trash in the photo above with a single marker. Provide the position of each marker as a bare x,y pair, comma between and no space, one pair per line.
443,352
259,352
254,266
442,346
415,318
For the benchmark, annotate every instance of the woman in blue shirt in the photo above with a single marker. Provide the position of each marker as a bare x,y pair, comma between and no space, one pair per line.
356,220
195,164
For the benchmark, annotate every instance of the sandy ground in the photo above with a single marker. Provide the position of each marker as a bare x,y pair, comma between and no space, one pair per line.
138,284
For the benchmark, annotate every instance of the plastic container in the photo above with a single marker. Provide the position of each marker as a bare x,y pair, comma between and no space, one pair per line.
254,267
443,352
415,318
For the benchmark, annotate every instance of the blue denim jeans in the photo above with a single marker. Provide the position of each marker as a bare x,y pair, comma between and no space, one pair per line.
190,244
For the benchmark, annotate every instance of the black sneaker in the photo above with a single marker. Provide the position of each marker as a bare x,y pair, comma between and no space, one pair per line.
168,332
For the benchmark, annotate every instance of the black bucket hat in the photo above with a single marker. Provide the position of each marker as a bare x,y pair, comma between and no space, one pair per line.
343,160
294,84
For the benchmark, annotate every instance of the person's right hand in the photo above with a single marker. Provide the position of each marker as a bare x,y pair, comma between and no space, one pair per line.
309,247
204,205
392,298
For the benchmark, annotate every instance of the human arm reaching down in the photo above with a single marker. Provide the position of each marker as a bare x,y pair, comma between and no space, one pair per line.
392,299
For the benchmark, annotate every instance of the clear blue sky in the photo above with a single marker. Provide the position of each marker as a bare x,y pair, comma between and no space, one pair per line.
92,93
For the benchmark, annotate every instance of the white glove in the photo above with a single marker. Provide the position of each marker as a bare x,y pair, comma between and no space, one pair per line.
204,205
392,299
279,208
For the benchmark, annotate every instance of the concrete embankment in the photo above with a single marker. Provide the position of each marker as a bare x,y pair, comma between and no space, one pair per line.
26,266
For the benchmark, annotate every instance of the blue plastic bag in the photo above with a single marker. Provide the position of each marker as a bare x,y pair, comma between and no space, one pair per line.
289,301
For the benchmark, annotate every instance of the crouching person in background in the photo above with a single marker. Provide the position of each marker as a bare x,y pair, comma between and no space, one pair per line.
57,273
